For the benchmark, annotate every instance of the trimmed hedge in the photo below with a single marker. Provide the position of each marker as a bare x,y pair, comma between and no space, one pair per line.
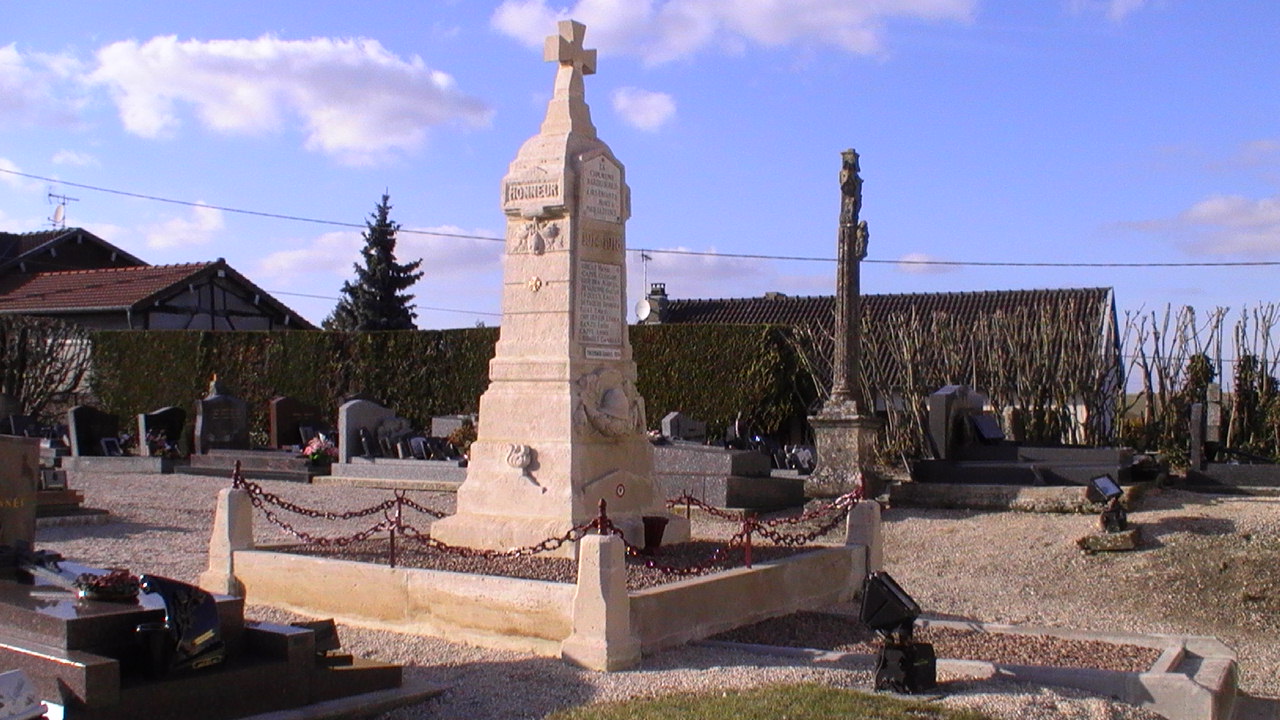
709,372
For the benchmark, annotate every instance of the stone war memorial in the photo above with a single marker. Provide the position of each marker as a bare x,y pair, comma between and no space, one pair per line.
562,426
561,436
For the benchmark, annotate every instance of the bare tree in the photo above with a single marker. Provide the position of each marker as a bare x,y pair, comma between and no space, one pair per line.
40,359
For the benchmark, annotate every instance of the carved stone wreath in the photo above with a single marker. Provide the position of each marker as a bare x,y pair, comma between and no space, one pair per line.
537,236
609,404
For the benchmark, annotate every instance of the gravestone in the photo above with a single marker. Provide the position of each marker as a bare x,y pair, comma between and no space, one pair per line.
562,425
676,426
222,421
442,426
24,425
286,416
949,411
354,416
87,427
19,473
168,421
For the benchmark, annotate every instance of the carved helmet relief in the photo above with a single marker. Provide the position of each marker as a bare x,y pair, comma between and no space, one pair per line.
608,403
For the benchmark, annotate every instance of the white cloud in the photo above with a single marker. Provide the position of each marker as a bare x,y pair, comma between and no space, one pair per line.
356,100
1231,224
199,228
37,88
1259,153
443,255
1222,225
1115,10
918,263
6,178
71,157
664,30
335,253
643,109
699,276
17,182
330,253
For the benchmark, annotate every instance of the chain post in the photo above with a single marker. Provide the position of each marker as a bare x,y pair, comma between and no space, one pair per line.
688,506
393,546
603,520
748,525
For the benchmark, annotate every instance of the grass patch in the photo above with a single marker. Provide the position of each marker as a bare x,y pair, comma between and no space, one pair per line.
774,702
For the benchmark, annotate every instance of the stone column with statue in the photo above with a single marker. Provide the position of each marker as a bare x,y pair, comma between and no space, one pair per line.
845,429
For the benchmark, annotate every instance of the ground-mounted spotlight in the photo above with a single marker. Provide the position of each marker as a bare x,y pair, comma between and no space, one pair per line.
1114,518
902,665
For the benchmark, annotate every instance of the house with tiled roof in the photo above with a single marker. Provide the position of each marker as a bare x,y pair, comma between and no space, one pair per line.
1066,339
1094,307
76,276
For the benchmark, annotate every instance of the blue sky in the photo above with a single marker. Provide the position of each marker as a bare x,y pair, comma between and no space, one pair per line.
1130,131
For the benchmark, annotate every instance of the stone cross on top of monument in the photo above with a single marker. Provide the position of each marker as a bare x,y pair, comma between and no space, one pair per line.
568,111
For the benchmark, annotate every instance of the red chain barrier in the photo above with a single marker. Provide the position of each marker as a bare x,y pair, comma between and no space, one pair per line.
396,525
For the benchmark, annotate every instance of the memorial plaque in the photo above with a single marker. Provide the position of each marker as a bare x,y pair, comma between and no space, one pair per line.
19,471
599,304
528,193
601,190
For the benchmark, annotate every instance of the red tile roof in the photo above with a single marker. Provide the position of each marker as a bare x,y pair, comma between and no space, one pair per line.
1090,305
16,248
100,289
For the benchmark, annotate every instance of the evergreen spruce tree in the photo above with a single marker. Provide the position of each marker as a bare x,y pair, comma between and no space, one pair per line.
376,300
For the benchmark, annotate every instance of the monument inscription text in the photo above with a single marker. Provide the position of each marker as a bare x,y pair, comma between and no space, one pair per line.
602,190
599,303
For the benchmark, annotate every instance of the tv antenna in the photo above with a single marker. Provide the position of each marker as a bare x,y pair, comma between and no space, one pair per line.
59,218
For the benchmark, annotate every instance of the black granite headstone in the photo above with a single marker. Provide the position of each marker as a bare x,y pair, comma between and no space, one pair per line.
287,416
222,421
163,425
88,426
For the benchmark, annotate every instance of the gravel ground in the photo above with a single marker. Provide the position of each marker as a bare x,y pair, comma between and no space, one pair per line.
844,633
1209,567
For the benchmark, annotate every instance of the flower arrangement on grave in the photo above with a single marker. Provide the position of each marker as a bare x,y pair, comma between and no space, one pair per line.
320,451
462,437
118,585
158,445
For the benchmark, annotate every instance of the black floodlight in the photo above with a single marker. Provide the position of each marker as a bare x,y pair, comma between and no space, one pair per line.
886,607
902,665
1106,487
1114,519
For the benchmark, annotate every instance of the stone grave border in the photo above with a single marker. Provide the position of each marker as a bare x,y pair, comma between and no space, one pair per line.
1194,678
596,623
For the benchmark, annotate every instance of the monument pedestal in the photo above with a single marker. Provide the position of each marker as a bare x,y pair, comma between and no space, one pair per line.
844,440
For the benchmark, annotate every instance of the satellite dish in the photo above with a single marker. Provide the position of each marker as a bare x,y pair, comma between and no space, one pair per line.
59,214
643,309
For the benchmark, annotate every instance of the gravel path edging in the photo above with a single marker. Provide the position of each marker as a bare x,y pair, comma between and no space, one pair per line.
1202,690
